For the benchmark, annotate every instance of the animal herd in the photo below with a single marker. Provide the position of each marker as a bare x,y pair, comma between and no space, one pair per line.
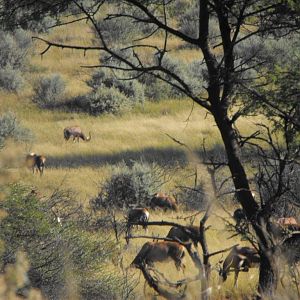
239,259
36,162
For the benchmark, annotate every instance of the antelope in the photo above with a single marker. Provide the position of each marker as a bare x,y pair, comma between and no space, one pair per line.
34,161
160,252
239,259
136,215
186,235
163,201
76,133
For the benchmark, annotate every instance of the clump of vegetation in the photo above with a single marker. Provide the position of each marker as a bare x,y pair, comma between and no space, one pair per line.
193,198
10,127
58,251
14,48
129,186
109,94
131,89
49,91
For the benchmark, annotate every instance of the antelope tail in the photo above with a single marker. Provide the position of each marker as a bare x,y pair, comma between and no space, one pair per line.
89,137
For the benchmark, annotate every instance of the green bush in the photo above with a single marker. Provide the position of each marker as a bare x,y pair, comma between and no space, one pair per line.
103,100
193,198
11,128
57,252
129,186
49,91
14,48
11,80
105,78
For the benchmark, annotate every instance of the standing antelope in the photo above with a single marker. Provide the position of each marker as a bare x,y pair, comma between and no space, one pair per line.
34,161
158,252
239,259
76,133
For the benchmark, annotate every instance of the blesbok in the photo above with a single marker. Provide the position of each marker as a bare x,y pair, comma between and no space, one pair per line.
160,251
163,201
136,215
76,133
34,161
187,235
239,259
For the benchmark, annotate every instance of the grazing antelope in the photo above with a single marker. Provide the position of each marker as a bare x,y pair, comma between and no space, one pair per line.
34,161
239,259
187,235
136,215
76,133
159,252
163,201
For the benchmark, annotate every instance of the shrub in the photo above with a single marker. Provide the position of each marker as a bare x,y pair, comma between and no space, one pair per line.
11,80
13,53
103,100
13,49
57,253
49,91
105,78
129,186
193,198
11,128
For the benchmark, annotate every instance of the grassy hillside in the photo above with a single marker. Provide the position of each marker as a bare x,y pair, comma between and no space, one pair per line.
138,134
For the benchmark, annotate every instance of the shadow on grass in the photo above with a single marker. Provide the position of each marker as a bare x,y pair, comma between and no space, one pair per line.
163,157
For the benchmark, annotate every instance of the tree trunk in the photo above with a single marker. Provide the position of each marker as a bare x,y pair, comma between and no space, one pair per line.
268,276
268,271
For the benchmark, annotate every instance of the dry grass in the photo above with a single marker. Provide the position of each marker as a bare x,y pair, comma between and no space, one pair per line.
131,136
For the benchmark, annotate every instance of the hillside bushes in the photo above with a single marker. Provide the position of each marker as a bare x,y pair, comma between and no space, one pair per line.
14,48
129,186
48,91
10,127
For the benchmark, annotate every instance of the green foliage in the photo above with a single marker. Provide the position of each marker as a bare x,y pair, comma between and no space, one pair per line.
130,186
11,80
11,128
14,48
49,91
56,251
103,100
105,78
193,198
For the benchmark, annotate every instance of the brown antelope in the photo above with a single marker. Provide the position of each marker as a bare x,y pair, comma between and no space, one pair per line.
136,215
239,259
34,161
163,201
76,133
159,252
187,235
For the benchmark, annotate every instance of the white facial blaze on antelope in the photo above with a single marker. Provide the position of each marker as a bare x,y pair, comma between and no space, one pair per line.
136,215
239,259
163,201
76,133
161,251
35,162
